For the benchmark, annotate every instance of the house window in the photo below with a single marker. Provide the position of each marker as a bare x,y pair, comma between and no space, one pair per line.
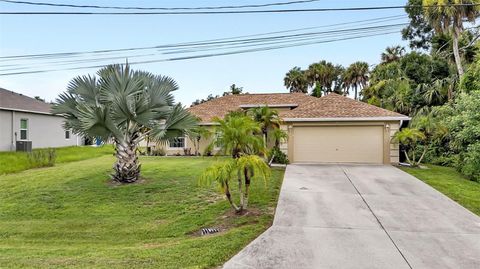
177,142
67,134
23,129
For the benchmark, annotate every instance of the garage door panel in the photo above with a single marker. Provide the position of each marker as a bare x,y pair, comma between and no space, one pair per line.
351,144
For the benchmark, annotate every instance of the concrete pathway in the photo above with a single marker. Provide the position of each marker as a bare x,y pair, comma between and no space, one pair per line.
363,216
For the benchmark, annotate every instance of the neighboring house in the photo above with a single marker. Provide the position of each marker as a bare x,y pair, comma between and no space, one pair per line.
329,129
26,119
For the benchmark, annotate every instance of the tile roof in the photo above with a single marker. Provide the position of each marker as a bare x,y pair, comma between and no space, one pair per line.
308,107
15,101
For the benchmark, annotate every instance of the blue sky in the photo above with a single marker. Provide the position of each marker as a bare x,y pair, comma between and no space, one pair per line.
255,72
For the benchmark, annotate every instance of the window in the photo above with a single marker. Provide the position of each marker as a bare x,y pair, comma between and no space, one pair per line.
177,142
23,129
67,134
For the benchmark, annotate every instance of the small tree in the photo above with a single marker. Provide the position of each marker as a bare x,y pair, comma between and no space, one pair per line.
244,169
196,134
410,138
267,118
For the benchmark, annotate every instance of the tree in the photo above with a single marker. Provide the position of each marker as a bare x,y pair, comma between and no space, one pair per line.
356,76
267,118
239,135
419,33
296,81
245,169
392,54
321,77
123,106
448,16
234,90
196,134
410,138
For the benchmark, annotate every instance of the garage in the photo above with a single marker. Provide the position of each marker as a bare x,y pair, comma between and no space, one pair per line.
342,144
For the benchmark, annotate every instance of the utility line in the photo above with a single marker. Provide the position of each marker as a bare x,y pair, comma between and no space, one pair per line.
271,11
69,54
159,8
207,55
243,45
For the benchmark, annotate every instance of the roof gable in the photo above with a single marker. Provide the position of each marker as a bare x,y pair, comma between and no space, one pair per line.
15,101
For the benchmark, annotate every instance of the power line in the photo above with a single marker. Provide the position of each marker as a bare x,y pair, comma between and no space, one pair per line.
271,11
286,39
208,55
193,43
159,8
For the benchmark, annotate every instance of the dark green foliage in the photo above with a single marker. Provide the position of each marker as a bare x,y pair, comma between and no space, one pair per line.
278,156
422,68
419,33
41,158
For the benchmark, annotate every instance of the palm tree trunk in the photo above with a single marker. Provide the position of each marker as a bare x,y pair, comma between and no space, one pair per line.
456,53
127,167
247,186
229,197
423,155
240,192
356,92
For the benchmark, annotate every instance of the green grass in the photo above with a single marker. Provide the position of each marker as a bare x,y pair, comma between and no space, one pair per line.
451,183
11,162
72,216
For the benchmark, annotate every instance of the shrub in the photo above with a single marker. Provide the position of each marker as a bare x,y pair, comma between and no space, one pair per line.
471,162
278,156
41,158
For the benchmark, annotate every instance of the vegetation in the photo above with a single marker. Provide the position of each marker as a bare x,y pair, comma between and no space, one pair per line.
268,119
296,80
234,90
11,162
124,106
41,158
71,215
452,184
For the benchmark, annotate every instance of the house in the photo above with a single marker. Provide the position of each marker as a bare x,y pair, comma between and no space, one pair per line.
26,119
329,129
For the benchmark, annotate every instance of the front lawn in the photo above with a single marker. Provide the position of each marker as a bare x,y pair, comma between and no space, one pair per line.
71,215
451,183
11,162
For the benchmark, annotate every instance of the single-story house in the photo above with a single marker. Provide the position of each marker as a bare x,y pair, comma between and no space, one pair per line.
329,129
28,120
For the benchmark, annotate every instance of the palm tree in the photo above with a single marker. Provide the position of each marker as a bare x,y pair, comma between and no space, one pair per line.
356,76
196,134
123,106
267,118
238,135
392,54
322,76
449,16
410,137
296,81
251,166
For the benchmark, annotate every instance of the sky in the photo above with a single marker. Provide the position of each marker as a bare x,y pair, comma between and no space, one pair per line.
257,72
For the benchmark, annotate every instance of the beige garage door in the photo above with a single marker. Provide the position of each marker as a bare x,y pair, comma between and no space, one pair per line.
348,144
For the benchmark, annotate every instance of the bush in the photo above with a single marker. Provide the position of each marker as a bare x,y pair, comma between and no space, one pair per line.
471,162
279,156
41,158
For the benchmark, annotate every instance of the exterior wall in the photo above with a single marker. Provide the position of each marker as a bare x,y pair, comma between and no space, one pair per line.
390,148
43,130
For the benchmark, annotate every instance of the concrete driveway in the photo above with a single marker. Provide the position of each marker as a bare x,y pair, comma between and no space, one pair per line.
363,216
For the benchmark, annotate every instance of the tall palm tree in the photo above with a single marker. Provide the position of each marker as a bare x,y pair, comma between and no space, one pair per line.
296,81
449,16
392,54
322,76
123,106
267,118
356,76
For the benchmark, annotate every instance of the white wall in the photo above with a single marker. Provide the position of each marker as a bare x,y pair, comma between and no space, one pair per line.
43,130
